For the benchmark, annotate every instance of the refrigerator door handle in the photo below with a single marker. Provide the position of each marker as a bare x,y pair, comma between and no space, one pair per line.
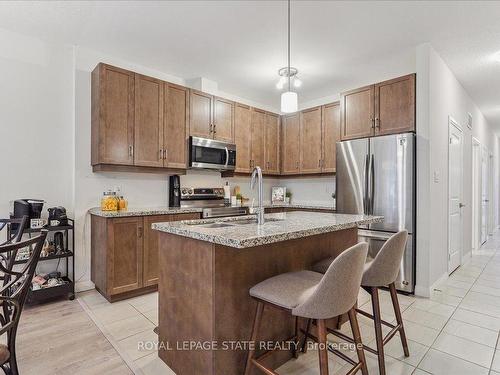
366,200
370,185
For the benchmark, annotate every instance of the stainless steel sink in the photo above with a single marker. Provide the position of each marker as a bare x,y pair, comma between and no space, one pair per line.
213,225
252,221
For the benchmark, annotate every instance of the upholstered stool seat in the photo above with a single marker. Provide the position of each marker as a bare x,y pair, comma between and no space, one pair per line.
4,353
287,290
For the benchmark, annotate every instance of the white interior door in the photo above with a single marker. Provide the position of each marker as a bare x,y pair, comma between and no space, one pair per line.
484,194
455,167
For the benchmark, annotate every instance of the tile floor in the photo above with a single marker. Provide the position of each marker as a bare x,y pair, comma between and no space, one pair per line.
455,332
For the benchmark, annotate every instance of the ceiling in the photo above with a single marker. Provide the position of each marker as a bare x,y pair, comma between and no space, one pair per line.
241,44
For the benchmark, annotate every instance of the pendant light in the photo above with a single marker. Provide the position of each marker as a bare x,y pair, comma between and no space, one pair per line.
289,99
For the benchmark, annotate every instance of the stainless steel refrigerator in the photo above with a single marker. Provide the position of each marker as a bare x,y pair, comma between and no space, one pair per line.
376,176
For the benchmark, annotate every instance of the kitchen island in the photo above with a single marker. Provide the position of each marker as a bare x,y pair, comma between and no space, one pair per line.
207,268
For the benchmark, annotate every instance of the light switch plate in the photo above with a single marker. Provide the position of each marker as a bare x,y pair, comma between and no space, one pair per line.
436,177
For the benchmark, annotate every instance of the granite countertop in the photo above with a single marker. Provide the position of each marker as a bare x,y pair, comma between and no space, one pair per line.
164,210
278,227
149,211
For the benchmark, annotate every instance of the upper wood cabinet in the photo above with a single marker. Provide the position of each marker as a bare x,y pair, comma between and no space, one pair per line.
200,122
384,108
357,113
148,126
112,102
242,128
223,124
211,117
290,156
310,141
137,121
176,122
258,119
331,135
395,105
272,144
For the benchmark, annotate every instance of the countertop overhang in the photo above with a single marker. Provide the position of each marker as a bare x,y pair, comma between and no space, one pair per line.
278,227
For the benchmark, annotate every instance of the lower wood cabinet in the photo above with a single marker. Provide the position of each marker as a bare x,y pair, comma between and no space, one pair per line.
124,254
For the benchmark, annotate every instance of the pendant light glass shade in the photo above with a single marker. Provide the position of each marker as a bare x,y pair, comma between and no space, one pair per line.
289,102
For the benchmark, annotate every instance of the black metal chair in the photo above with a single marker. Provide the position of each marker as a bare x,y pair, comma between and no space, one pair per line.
13,294
14,235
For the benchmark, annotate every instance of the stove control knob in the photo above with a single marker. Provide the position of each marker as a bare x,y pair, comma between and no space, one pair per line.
184,191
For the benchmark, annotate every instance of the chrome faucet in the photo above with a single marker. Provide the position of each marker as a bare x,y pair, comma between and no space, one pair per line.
257,173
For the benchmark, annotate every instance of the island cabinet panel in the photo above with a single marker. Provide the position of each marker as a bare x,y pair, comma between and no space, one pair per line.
310,141
258,119
242,138
125,236
200,123
176,125
125,254
357,113
223,124
112,102
148,135
290,131
203,297
331,135
395,105
272,144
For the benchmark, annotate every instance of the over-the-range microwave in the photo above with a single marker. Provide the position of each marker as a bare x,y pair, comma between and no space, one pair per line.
207,153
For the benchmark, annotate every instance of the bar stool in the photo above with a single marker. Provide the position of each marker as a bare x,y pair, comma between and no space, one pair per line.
311,295
382,271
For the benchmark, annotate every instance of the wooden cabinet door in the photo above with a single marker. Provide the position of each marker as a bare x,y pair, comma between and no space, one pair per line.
200,114
272,143
175,133
223,128
331,135
113,99
310,140
242,138
395,105
125,236
150,272
258,118
357,113
291,144
148,128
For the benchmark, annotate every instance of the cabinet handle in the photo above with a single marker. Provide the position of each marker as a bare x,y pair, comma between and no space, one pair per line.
211,128
139,232
373,123
160,154
319,163
297,165
130,150
165,153
377,122
215,129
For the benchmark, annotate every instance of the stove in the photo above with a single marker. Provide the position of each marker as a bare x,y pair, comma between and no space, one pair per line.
211,200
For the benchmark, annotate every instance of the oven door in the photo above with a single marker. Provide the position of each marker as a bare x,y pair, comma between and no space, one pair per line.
210,154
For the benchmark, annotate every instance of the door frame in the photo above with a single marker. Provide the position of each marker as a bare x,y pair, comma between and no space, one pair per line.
454,123
484,151
476,193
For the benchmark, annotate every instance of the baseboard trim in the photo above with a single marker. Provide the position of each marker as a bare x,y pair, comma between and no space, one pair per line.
422,291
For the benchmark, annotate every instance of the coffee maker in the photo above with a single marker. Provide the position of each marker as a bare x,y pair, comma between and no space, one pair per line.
27,207
174,191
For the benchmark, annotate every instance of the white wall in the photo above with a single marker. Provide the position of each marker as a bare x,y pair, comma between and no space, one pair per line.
439,95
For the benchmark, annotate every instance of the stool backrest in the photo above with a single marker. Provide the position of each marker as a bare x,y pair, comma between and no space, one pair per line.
338,290
384,269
